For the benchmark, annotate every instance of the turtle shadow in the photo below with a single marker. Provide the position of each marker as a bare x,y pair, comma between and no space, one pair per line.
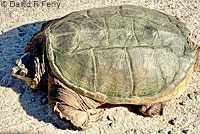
12,44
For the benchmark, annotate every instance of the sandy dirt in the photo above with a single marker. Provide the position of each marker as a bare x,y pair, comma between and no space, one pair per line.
25,111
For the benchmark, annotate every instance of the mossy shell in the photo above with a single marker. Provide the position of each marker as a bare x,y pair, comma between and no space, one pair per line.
121,55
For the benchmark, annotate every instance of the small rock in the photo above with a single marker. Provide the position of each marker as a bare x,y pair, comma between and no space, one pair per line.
186,131
197,93
191,96
170,132
44,100
182,103
173,121
131,131
33,100
21,34
110,118
111,124
160,131
22,90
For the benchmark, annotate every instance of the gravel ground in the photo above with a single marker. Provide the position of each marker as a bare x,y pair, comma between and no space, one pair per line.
25,111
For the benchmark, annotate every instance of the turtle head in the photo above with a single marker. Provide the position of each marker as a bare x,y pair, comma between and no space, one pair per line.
25,68
30,67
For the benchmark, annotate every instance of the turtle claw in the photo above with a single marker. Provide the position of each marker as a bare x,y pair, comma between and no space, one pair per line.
95,114
152,109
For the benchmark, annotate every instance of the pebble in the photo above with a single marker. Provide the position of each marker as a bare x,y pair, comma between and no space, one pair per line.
22,90
191,96
44,100
33,100
172,121
186,131
111,124
170,132
131,131
110,118
21,34
197,93
160,131
182,103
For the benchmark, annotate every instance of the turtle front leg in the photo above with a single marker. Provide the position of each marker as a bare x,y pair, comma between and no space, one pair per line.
153,109
66,103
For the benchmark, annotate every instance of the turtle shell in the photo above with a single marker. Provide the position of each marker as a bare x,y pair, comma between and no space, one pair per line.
120,55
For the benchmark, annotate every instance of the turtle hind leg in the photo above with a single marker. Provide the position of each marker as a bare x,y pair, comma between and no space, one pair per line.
153,109
81,111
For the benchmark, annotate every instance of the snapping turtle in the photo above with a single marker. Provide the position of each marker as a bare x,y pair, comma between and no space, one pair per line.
116,55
